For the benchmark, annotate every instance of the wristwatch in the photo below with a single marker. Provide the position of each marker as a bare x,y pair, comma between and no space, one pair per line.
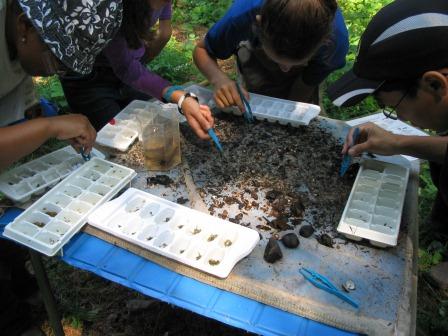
183,97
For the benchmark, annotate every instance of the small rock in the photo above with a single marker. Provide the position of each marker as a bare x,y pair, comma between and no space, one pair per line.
348,286
325,240
306,231
297,208
164,180
182,200
112,318
439,274
254,195
137,305
290,240
239,216
272,253
271,195
264,227
224,214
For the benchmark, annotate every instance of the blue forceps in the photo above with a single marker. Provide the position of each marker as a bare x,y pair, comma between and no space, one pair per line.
215,139
85,156
248,113
347,159
322,282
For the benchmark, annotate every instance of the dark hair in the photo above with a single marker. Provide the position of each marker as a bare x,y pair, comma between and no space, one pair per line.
136,25
296,28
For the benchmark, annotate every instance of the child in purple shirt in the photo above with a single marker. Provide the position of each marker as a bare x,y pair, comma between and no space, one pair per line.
120,75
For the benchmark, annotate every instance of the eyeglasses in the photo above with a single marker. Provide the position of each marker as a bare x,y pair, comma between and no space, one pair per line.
390,112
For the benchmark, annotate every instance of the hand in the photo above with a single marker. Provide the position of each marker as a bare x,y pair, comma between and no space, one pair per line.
226,94
372,139
199,117
75,128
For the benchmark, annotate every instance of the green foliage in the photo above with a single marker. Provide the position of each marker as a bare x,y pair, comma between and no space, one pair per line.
426,193
175,62
193,13
357,14
427,259
50,88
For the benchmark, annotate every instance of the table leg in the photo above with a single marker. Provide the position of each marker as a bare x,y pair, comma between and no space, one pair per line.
47,295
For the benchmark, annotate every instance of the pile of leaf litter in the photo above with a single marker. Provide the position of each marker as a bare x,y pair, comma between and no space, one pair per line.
270,177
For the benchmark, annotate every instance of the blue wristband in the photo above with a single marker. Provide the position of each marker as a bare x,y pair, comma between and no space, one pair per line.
169,92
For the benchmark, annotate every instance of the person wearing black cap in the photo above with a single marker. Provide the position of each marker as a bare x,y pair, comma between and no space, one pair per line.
403,62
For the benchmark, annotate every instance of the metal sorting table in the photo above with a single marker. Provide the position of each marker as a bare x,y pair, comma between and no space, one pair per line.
385,279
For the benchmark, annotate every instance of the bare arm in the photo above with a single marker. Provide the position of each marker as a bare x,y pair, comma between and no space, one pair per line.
431,148
19,140
199,117
207,64
378,141
226,93
154,47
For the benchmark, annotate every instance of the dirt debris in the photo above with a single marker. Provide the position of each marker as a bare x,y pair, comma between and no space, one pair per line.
287,173
164,180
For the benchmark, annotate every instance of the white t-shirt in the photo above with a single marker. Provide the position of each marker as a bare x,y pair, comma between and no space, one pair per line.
16,87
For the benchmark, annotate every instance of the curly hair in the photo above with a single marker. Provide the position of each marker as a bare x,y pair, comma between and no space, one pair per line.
296,28
136,24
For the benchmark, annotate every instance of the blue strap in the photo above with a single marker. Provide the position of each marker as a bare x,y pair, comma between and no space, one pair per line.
168,94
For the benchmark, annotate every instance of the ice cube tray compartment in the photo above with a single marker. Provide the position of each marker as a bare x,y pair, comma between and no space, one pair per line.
34,177
119,135
268,108
375,205
52,220
174,231
127,125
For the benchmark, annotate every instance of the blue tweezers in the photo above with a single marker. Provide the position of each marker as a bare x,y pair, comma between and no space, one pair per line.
347,159
215,138
322,282
248,113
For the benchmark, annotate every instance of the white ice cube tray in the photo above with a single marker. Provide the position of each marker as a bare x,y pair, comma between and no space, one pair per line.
174,231
121,133
268,108
51,221
375,205
32,178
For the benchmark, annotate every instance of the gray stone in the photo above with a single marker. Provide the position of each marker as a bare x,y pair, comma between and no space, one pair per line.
439,274
137,305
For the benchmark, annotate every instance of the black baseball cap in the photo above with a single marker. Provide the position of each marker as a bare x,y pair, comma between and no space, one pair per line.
403,40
